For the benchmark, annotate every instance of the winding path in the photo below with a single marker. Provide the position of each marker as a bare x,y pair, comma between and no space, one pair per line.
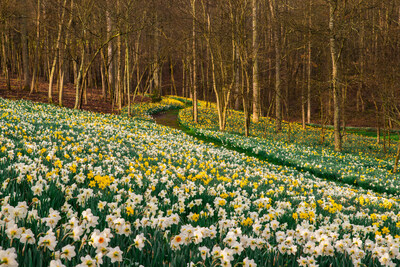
169,118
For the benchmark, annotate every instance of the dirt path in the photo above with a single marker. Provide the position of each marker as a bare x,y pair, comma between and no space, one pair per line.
168,118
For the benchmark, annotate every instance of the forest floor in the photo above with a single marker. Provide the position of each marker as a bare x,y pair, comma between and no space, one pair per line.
94,101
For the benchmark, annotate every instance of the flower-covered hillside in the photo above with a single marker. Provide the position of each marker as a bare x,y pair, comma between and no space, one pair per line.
292,133
357,166
87,189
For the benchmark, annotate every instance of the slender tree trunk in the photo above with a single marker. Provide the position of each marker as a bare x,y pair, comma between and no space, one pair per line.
137,63
190,80
56,53
118,84
6,63
127,74
335,90
195,115
273,5
25,53
173,88
245,97
309,66
218,97
207,97
110,59
103,71
183,78
303,101
256,89
156,58
237,79
64,67
61,84
36,61
79,80
359,98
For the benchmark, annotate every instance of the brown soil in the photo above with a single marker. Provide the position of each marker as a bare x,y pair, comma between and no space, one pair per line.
93,101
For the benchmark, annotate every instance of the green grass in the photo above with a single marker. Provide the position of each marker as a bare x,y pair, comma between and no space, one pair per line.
373,134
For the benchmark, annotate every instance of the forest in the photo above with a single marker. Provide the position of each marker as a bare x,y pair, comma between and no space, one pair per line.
324,61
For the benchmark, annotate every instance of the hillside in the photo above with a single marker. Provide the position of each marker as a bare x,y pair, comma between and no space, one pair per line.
81,187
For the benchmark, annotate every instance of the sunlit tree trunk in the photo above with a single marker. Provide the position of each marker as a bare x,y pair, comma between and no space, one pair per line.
237,79
273,5
62,65
195,115
256,89
5,61
335,89
245,98
110,59
119,80
156,58
36,61
309,65
78,80
127,74
25,52
173,87
56,53
359,99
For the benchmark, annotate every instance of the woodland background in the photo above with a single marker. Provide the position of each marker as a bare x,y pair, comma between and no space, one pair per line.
323,61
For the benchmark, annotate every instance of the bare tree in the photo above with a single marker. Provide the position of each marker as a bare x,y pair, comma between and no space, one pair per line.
334,83
273,7
256,89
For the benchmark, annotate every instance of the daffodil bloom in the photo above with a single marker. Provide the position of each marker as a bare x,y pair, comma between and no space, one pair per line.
115,254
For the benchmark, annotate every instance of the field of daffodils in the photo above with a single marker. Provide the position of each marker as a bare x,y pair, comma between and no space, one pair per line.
362,163
86,189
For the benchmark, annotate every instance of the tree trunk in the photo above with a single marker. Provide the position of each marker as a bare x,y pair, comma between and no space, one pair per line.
256,89
36,61
103,72
195,115
237,79
359,100
183,78
110,59
78,80
245,97
218,97
6,63
309,66
173,87
303,101
56,53
156,58
335,90
25,53
278,90
61,85
118,84
127,74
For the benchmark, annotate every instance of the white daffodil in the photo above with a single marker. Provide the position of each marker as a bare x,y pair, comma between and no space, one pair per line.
115,254
68,252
